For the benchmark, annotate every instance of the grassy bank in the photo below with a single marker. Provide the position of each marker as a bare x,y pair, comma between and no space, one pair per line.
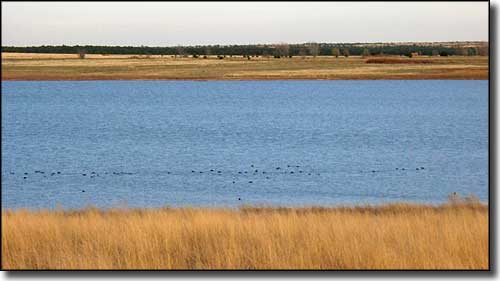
19,66
399,236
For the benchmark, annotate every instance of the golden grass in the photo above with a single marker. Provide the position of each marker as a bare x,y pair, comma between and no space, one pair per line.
400,60
19,66
397,236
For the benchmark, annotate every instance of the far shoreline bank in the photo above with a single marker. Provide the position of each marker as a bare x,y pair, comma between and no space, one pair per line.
37,67
249,79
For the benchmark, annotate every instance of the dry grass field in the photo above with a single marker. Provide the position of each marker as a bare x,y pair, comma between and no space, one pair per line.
19,66
396,236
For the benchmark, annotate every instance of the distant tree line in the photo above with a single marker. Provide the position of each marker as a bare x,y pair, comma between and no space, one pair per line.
276,50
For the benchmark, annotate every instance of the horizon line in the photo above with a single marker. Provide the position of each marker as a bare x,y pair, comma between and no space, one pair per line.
243,44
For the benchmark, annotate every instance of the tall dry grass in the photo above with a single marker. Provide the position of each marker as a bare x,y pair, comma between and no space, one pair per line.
398,236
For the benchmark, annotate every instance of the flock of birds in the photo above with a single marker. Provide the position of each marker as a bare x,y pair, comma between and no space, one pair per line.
289,169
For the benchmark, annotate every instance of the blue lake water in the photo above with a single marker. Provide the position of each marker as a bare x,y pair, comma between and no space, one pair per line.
295,143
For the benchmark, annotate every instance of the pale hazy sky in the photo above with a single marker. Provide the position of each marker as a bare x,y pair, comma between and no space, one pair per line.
168,24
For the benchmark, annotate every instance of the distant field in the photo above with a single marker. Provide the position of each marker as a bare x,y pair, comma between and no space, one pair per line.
397,236
21,66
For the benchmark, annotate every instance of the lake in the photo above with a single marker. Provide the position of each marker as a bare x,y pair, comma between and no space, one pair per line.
228,143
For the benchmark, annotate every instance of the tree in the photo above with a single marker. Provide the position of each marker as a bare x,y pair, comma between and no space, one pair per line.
435,53
81,53
282,49
303,52
336,52
366,53
179,50
313,49
208,52
462,52
443,53
482,51
345,52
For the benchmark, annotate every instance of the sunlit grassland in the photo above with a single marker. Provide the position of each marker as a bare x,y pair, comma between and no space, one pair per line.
19,66
395,236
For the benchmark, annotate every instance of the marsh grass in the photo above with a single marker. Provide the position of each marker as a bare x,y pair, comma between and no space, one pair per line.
395,236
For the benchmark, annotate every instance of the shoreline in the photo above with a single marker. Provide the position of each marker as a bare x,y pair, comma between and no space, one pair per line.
454,201
255,80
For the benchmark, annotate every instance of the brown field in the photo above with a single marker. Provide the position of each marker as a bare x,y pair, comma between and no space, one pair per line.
396,236
400,60
19,66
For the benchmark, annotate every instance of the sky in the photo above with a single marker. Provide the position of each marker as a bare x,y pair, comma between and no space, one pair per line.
208,23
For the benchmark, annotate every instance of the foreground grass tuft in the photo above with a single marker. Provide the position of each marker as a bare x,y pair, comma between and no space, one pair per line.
396,236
